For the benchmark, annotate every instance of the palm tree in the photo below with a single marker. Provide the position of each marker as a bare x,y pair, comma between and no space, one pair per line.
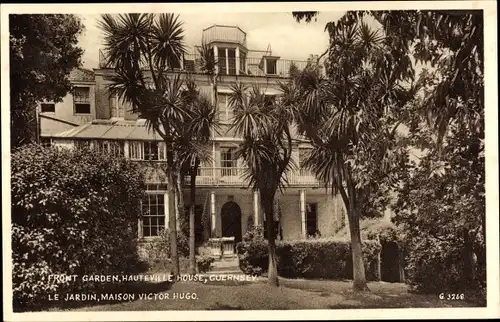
142,48
209,67
266,149
351,116
193,150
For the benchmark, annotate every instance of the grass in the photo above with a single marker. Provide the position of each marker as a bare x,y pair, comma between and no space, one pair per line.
291,294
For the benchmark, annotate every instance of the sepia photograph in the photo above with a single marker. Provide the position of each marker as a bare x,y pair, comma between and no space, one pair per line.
323,160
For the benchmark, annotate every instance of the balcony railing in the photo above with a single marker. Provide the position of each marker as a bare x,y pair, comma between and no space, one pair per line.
220,176
245,66
242,66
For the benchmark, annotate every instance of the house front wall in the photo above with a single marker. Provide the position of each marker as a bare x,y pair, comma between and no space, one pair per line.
329,212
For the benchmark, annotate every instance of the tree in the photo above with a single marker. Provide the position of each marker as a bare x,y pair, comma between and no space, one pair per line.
143,49
266,149
450,104
43,51
351,116
192,150
210,68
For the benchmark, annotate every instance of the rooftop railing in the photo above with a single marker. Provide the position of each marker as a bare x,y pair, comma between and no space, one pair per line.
234,66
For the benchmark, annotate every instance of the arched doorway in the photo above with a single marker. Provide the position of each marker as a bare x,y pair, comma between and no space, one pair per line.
231,220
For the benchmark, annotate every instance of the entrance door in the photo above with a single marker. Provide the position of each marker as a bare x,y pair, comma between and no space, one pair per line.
390,262
231,220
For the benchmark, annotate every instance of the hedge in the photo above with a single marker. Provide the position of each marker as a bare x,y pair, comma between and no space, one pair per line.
74,212
311,258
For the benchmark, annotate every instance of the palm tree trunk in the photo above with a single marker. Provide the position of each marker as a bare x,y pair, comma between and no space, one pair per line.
172,216
181,213
192,255
359,278
272,272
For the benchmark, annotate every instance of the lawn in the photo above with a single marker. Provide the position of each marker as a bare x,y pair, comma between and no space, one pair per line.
257,295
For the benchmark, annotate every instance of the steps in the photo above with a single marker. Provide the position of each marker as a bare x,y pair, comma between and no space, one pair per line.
226,265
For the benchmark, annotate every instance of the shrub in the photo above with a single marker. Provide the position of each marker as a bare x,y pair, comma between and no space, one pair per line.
435,266
158,249
204,263
312,258
74,212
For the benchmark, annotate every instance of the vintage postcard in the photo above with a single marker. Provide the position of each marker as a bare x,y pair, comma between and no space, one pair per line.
330,160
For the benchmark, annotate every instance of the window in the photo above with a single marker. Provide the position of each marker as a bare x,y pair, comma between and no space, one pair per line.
112,147
231,60
153,214
136,150
303,154
228,161
45,142
225,111
222,61
271,66
149,150
81,97
312,219
243,65
226,61
82,144
48,108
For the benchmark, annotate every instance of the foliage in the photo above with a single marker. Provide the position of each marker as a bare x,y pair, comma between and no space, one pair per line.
143,49
312,258
43,51
440,197
158,249
264,124
73,212
204,263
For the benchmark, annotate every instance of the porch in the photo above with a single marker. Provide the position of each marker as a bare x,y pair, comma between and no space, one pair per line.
235,176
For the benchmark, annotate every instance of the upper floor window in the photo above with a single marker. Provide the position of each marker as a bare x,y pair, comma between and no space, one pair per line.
48,108
303,155
243,63
271,66
147,150
226,61
81,99
46,142
112,147
225,111
82,144
228,161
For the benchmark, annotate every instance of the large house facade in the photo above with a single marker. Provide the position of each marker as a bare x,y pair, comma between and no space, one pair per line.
225,205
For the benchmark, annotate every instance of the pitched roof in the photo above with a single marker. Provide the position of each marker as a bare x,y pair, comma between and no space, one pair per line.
82,75
111,130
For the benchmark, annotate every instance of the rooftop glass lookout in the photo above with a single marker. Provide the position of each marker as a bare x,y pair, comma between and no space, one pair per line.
232,55
224,34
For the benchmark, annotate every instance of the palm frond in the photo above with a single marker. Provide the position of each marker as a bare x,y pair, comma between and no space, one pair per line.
168,40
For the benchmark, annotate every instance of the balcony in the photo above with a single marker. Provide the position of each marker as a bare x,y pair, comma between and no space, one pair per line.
220,176
224,34
245,66
266,66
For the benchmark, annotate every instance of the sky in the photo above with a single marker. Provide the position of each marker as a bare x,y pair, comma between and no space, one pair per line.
287,38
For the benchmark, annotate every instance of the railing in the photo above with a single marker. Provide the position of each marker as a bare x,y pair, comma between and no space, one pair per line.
245,66
242,66
221,247
235,176
226,34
